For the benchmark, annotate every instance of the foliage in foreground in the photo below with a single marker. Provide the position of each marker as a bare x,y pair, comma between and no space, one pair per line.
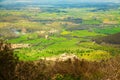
70,69
8,62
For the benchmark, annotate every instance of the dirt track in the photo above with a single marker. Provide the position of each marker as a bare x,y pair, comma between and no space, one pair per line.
62,57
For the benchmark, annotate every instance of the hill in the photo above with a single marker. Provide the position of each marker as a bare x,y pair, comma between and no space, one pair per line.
110,39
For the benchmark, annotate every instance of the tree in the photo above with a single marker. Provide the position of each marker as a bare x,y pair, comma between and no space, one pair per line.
8,62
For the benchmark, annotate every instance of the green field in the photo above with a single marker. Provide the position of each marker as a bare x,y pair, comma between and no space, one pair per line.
50,34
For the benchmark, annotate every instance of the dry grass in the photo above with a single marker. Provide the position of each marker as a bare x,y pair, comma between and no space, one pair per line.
81,69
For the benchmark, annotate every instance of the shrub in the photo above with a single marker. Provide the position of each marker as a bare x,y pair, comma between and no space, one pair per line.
7,62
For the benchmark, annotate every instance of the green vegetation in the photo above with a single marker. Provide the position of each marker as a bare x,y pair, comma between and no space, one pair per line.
51,32
59,41
70,69
112,30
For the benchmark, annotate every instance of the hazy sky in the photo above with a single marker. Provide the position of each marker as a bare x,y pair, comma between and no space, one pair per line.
56,1
67,0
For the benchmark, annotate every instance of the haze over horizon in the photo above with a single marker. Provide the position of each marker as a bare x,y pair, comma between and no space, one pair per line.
54,1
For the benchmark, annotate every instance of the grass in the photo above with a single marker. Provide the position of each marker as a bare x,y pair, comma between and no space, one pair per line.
89,51
54,46
96,55
108,30
84,33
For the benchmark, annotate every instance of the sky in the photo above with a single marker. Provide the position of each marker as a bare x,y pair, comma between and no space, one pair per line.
55,1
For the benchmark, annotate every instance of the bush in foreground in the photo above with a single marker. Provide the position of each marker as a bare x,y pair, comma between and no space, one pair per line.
70,69
8,62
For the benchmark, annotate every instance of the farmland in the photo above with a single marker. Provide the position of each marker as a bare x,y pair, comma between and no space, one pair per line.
55,31
59,41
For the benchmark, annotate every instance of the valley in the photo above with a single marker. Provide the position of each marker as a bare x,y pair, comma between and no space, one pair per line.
58,30
55,40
